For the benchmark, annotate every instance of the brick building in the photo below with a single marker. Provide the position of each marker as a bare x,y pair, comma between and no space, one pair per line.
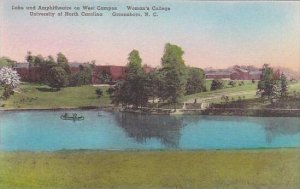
33,74
218,75
116,73
236,74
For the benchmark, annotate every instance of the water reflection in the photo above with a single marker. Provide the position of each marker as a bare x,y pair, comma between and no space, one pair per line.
144,127
275,127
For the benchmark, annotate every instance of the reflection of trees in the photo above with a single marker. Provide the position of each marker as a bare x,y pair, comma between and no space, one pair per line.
272,125
143,127
279,126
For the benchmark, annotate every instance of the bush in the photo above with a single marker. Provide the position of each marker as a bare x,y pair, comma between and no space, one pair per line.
99,92
216,84
232,83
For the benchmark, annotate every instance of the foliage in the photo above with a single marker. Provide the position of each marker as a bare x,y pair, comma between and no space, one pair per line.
173,73
105,77
154,84
268,86
99,92
29,58
57,77
63,62
132,91
83,77
49,66
232,83
216,84
225,98
195,81
9,79
283,86
6,62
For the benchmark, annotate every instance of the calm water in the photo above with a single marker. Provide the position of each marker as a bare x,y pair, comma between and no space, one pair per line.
45,131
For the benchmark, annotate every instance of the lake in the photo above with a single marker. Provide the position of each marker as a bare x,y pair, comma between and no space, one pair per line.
45,131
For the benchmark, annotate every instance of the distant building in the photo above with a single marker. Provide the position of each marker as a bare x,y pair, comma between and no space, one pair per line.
29,75
116,73
33,74
236,74
243,74
218,75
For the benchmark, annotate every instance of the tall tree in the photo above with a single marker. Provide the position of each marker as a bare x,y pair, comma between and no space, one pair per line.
135,80
195,81
29,58
283,86
268,85
132,91
63,62
174,73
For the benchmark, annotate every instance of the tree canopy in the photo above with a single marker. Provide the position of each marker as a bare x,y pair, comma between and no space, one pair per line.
173,72
195,81
9,79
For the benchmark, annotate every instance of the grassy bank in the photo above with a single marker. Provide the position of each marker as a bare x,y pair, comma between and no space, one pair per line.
41,96
278,168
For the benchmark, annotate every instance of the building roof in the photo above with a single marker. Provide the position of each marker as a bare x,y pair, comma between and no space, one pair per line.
218,73
241,70
258,72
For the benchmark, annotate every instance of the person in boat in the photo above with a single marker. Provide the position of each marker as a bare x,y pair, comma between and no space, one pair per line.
65,115
75,115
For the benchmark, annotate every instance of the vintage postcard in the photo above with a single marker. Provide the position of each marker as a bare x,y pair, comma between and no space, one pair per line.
149,94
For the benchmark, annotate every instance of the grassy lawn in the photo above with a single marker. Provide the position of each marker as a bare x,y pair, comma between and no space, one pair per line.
41,96
247,169
246,91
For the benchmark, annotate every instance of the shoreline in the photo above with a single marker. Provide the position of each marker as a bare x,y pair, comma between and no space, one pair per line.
209,111
155,150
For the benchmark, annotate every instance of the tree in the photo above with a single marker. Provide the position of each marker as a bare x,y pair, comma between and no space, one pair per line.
153,84
29,58
268,85
83,77
63,62
232,83
9,79
57,77
99,92
195,81
132,90
216,84
105,77
283,86
6,62
135,80
173,72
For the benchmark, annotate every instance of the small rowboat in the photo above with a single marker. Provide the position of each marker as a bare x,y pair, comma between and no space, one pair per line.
74,117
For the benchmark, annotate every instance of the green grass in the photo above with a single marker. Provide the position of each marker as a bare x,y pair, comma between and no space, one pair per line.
247,169
41,96
246,91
